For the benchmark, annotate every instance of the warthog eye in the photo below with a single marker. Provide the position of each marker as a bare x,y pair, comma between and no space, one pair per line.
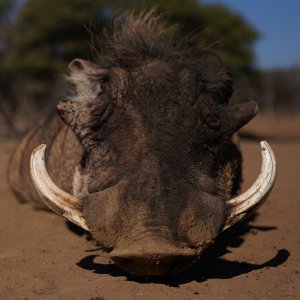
103,78
101,81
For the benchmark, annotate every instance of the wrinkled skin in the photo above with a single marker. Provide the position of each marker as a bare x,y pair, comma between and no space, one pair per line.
151,141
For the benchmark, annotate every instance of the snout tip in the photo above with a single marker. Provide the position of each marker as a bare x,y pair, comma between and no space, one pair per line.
153,263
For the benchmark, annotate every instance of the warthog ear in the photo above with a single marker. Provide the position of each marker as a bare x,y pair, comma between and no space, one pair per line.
86,80
85,66
236,116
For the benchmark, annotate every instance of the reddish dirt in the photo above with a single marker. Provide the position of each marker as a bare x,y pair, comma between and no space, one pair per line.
42,258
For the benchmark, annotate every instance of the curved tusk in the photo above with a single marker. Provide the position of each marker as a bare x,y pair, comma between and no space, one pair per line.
58,200
247,203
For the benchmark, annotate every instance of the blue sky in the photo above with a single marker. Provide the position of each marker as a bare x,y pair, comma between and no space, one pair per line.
278,22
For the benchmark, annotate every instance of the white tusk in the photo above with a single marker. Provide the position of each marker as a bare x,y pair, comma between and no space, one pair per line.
247,203
58,200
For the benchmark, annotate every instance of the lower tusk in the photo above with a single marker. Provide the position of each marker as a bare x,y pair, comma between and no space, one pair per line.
55,198
244,205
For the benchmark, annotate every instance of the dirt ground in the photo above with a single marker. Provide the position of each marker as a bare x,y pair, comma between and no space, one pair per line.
41,257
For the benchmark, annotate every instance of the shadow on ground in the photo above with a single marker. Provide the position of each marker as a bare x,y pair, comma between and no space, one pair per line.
212,265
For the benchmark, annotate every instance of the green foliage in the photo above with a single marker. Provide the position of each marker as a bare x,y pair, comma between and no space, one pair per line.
49,33
5,10
5,7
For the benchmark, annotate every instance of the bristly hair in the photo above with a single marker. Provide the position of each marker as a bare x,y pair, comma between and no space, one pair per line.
146,36
138,38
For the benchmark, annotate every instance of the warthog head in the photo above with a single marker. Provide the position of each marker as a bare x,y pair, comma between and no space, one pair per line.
156,182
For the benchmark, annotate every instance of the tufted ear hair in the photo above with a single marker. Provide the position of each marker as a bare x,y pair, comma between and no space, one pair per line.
85,80
84,66
236,116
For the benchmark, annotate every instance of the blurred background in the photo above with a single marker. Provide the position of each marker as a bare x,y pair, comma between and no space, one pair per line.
257,42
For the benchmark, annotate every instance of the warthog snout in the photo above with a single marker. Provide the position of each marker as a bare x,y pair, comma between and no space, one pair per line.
153,257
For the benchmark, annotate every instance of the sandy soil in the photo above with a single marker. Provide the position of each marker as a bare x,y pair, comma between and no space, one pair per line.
41,257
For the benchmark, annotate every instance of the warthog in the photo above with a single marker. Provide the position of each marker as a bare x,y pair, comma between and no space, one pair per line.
141,151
